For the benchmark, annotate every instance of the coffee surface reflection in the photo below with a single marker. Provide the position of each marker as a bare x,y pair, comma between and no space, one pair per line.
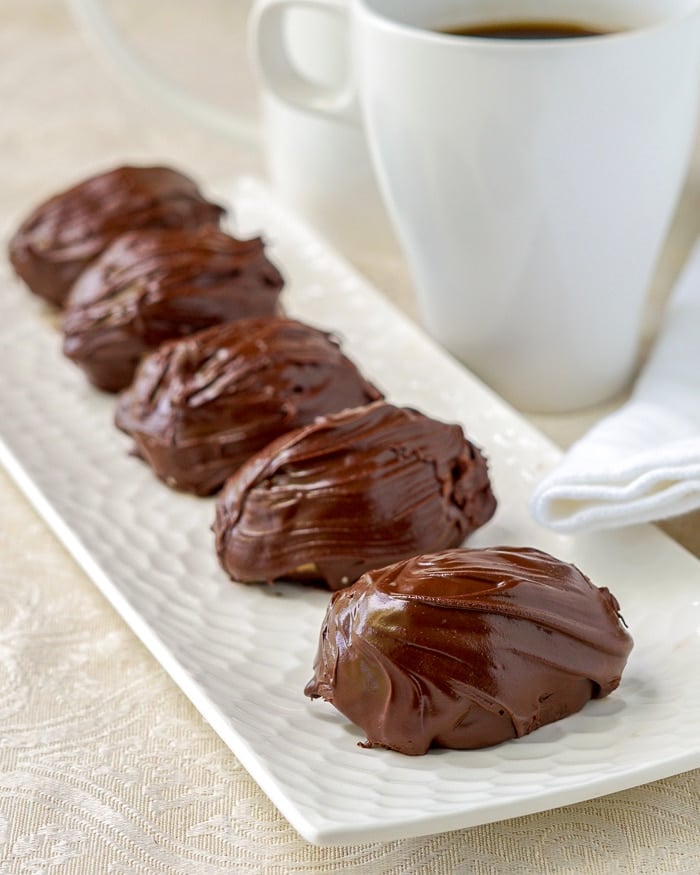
525,30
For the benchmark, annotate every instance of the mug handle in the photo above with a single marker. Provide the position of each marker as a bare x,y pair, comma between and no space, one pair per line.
276,70
99,29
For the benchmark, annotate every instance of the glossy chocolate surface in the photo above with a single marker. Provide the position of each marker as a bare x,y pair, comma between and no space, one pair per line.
353,491
467,648
157,285
68,231
201,406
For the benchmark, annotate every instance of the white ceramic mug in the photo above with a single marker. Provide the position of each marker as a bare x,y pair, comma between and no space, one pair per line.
317,164
531,182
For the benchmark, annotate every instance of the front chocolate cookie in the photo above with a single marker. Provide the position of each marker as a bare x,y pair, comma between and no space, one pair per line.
467,648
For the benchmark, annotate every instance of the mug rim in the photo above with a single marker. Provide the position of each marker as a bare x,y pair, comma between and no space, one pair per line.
523,45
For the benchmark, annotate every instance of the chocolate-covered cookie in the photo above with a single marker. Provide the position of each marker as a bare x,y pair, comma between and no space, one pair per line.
199,407
467,648
353,491
157,285
61,236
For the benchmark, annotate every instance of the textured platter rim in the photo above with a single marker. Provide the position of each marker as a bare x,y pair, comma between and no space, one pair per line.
307,820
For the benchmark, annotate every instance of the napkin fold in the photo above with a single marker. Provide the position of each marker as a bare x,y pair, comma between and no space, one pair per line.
642,463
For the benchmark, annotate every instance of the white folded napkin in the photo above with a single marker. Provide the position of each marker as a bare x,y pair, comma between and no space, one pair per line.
642,463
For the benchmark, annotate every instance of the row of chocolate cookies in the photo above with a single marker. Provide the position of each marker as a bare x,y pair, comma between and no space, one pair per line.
458,648
333,480
324,480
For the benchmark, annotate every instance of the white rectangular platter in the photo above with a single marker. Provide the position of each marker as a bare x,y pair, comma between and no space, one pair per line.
244,653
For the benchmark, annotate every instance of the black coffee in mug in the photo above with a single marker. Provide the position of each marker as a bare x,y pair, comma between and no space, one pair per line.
525,30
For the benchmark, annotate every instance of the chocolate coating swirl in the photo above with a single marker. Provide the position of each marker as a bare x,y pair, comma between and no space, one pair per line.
467,648
353,491
61,236
201,406
157,285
